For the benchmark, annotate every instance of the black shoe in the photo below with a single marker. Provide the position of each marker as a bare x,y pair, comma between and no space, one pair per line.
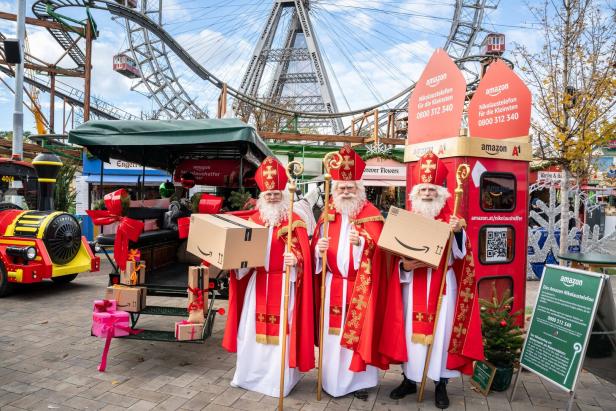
405,388
441,400
361,394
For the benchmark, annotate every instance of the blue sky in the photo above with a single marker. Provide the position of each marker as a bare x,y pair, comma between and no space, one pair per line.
373,48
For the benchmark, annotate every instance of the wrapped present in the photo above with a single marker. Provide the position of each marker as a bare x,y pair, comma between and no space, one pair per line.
114,322
103,306
133,274
131,299
198,280
187,331
108,325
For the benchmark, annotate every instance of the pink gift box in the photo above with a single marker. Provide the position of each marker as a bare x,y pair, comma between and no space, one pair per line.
116,321
102,306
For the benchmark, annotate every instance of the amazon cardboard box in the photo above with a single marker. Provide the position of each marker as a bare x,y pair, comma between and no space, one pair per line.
131,299
415,236
226,241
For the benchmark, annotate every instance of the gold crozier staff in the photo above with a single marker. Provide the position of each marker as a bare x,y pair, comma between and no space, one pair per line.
294,169
331,161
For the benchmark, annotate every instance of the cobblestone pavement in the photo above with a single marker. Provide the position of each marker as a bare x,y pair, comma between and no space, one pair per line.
48,360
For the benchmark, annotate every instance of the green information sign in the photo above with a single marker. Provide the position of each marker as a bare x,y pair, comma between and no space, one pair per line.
561,324
483,374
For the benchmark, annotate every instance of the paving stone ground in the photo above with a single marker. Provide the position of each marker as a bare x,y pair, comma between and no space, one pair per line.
48,361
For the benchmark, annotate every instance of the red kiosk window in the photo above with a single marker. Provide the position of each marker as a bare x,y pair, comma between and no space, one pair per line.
496,244
498,192
501,284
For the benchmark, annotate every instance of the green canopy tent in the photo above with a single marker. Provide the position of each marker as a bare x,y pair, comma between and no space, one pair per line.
163,144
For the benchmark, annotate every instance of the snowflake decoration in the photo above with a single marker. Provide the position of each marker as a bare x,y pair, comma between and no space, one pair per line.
378,149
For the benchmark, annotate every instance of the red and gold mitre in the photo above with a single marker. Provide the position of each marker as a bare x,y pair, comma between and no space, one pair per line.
430,170
271,175
351,168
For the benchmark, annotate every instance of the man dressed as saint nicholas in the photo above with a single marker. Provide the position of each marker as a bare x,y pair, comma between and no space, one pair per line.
351,283
412,299
256,296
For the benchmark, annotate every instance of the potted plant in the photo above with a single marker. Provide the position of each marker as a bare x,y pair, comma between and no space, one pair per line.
502,336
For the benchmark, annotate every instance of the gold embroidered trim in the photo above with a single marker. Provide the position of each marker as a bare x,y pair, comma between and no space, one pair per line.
422,339
369,219
284,230
334,331
267,339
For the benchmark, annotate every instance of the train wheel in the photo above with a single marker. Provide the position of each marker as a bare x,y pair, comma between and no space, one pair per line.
64,279
5,286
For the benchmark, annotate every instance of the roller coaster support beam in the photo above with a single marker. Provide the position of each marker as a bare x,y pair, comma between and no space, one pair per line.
88,71
52,102
52,70
41,23
18,111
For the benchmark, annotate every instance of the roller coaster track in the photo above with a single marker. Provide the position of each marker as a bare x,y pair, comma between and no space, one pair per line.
468,15
157,76
72,95
75,97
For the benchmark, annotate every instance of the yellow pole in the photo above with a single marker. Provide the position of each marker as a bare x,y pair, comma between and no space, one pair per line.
461,175
294,168
331,161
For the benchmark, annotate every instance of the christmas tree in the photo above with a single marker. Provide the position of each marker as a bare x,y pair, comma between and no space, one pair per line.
502,337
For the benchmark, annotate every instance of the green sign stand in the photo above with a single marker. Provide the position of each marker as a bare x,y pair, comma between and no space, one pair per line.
561,325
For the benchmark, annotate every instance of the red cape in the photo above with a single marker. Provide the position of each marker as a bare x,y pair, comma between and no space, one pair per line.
466,343
366,350
301,347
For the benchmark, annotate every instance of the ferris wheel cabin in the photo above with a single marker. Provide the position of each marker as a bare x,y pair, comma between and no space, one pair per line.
493,44
125,65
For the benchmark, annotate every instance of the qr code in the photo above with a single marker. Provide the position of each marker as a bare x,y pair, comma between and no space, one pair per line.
496,245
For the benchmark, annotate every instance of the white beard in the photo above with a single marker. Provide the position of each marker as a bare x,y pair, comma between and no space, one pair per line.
352,206
273,213
428,209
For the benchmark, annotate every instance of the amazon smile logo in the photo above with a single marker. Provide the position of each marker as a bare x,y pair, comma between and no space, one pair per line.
493,149
434,81
425,248
570,282
204,253
496,90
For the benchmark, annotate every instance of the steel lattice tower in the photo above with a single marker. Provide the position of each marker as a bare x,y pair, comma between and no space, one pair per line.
299,79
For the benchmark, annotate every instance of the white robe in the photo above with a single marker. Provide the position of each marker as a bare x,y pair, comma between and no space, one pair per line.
413,369
258,365
338,380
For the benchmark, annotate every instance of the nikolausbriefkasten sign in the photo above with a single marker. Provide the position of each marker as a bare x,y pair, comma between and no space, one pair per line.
561,324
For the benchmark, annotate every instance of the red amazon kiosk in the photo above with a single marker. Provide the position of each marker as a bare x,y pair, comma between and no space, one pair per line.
498,151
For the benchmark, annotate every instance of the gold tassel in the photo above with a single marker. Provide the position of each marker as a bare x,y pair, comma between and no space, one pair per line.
422,339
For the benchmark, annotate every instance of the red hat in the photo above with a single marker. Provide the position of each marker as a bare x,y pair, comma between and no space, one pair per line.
271,175
352,166
431,170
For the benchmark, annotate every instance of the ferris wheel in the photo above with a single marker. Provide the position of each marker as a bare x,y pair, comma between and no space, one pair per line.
374,48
